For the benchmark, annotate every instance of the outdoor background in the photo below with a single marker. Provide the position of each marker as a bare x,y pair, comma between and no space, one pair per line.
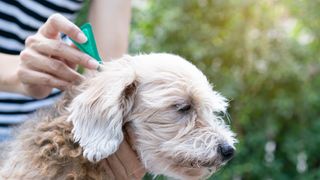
261,54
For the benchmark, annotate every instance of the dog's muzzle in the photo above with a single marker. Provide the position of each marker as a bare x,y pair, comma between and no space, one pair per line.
225,151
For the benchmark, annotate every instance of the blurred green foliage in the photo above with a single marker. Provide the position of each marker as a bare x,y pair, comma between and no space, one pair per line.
264,56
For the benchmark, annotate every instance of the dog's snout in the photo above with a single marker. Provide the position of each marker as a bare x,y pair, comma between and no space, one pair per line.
226,151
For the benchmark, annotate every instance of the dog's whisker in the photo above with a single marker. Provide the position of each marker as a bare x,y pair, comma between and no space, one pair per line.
228,117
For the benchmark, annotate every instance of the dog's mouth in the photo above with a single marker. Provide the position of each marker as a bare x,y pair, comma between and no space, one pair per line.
211,165
197,168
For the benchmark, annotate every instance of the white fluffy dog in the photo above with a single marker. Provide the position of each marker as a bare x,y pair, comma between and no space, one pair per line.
170,105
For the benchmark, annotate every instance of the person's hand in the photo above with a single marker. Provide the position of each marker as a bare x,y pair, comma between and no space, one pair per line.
124,164
47,62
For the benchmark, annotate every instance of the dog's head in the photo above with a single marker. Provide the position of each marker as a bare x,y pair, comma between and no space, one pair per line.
176,116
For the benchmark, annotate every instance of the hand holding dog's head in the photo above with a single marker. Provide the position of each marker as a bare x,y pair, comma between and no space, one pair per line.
171,107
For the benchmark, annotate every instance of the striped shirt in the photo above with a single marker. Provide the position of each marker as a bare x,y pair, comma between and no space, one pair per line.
18,20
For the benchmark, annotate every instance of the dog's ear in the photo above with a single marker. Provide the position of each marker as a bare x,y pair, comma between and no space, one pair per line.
98,111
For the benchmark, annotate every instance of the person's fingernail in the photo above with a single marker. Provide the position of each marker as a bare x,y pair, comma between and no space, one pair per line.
93,64
81,37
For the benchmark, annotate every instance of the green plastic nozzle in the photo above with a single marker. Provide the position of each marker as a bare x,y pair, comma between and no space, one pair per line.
89,47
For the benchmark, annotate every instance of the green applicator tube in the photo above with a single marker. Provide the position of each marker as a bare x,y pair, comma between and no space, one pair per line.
89,47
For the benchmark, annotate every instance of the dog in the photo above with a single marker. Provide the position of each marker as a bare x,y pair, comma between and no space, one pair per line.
176,117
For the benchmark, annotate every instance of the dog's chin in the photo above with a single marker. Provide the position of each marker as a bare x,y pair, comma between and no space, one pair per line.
191,170
193,173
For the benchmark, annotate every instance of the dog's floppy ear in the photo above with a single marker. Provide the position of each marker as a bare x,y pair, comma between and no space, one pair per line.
97,112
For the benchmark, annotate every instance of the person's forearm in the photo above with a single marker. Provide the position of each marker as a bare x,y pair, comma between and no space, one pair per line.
111,23
9,81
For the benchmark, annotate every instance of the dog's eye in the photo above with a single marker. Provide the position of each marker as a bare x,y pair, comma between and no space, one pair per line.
183,107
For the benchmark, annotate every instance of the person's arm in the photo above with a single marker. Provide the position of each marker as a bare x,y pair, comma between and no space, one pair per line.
9,81
110,20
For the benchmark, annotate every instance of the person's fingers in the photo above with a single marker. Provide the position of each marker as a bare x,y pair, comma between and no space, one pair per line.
138,174
70,64
129,135
52,66
37,91
130,161
73,46
28,76
117,167
134,166
107,169
57,23
62,50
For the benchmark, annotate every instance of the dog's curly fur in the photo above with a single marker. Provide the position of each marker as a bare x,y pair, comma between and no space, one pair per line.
44,149
166,100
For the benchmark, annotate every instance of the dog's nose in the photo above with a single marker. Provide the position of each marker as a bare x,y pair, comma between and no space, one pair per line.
226,151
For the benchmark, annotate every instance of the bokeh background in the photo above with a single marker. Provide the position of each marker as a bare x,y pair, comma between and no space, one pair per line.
261,54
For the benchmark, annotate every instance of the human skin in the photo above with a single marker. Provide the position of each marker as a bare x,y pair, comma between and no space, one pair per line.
47,63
